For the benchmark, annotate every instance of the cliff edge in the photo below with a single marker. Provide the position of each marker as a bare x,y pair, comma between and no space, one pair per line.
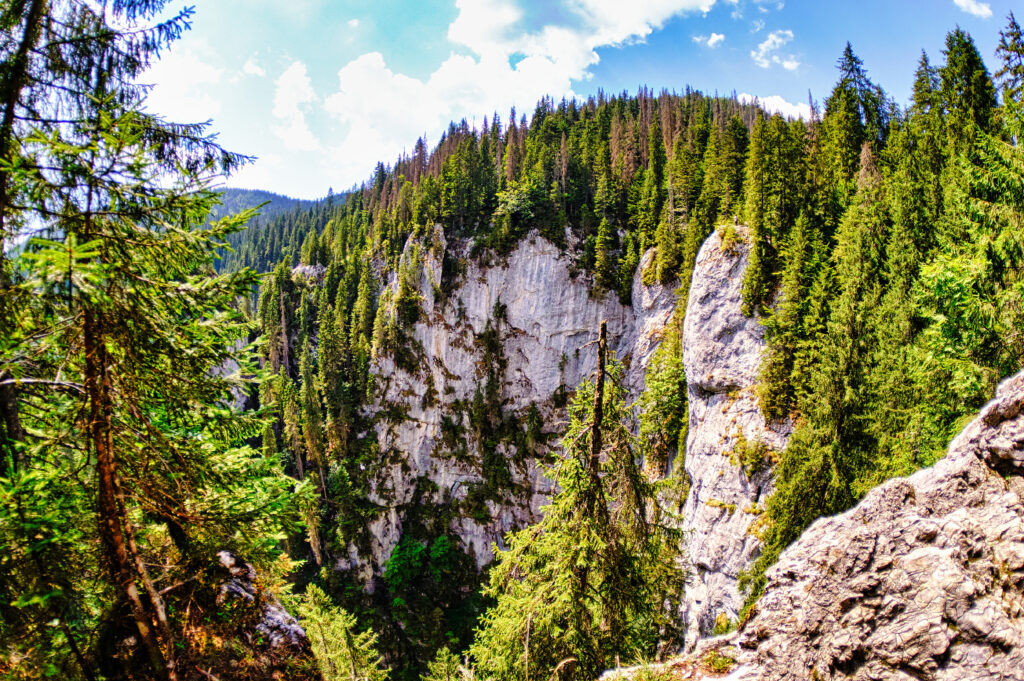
923,579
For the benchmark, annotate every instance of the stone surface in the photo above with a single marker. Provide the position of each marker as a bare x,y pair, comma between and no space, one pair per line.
548,321
721,354
923,579
276,626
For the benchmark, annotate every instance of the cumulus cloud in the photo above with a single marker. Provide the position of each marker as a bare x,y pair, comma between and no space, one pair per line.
183,80
712,41
353,23
252,68
777,104
515,57
767,52
293,90
978,9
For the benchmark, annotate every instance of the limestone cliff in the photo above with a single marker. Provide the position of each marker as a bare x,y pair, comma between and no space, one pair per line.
510,337
729,446
519,330
923,579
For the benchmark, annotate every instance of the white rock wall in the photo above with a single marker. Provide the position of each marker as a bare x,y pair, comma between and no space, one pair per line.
721,354
551,319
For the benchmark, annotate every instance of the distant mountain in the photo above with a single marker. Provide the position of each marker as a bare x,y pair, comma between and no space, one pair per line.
235,200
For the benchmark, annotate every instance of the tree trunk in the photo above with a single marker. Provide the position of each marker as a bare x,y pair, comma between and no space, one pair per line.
595,432
12,430
284,337
112,520
12,87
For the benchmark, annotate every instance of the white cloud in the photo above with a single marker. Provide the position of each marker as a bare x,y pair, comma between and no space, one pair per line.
776,104
253,68
183,85
978,9
712,41
353,23
293,90
766,53
382,112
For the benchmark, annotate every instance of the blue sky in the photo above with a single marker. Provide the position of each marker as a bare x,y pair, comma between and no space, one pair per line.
320,90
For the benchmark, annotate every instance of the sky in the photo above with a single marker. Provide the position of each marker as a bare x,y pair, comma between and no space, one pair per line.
319,91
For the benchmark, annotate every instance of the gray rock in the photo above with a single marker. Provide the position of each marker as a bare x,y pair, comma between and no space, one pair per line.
279,628
721,354
923,579
551,319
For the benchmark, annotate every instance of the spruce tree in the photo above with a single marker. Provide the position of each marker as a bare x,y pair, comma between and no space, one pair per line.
1010,52
342,651
589,582
967,94
120,333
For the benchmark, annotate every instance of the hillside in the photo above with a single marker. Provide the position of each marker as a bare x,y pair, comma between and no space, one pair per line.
621,379
423,361
234,200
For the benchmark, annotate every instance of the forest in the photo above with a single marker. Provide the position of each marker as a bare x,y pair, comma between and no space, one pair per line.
180,377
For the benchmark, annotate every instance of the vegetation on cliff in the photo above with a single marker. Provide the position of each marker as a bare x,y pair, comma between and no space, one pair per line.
885,262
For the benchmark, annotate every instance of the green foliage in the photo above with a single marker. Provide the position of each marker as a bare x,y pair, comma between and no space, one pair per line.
444,667
723,624
123,469
590,581
882,341
774,169
663,405
717,662
967,93
1010,51
752,456
342,651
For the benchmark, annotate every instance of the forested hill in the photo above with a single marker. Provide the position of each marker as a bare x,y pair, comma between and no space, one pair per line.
234,200
884,262
148,530
606,168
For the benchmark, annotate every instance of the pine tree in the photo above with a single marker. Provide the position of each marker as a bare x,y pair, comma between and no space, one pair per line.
776,390
444,667
604,263
587,583
119,318
968,96
342,651
1010,51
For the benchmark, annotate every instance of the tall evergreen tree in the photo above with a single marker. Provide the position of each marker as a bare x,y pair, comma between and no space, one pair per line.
590,581
121,333
967,94
1010,51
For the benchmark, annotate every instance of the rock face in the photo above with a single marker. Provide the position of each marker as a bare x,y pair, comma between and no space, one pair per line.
924,579
544,319
729,446
274,624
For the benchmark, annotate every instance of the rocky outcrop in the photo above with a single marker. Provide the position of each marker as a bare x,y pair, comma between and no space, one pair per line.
923,579
729,447
273,624
545,320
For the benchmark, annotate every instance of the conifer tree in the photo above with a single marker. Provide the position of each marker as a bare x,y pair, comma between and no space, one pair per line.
968,96
776,390
119,318
342,651
1010,51
587,583
604,263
